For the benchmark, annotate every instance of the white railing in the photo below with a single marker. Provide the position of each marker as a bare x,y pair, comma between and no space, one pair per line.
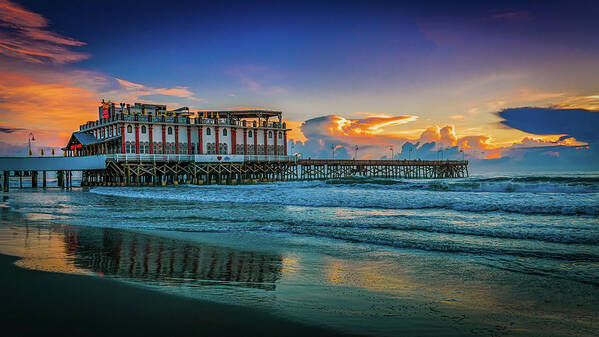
269,158
126,157
132,157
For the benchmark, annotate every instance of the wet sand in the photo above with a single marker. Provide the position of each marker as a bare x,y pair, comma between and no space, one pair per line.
44,303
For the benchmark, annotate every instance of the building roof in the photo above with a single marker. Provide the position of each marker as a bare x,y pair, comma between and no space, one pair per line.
246,113
85,139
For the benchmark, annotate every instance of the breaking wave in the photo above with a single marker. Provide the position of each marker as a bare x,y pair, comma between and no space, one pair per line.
518,184
314,195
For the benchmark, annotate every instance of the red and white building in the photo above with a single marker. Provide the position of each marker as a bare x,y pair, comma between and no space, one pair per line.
152,129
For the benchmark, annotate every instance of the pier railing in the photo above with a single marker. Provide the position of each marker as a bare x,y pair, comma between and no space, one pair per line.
215,158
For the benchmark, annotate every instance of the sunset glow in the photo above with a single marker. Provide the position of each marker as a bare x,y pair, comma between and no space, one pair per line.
52,82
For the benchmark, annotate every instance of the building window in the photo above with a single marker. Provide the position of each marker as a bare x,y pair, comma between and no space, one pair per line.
280,135
129,129
143,129
170,130
250,134
269,134
208,131
224,132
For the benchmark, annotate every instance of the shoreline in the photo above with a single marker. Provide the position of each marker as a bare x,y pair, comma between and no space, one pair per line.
48,303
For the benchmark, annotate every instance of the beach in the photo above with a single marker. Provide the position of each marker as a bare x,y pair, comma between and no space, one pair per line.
44,303
511,256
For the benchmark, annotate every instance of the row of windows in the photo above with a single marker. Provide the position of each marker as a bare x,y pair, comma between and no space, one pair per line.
260,149
208,131
106,132
144,147
144,129
280,134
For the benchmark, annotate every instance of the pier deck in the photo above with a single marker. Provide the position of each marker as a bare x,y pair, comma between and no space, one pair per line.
237,169
146,169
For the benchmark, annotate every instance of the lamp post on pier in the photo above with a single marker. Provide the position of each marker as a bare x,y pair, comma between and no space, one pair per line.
30,139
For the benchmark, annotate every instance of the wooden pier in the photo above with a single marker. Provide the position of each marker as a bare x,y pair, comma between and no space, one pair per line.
142,170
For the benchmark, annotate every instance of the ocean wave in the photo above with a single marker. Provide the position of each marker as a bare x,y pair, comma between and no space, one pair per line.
530,184
205,221
436,245
369,198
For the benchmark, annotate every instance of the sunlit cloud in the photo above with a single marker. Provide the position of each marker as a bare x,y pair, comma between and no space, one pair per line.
375,137
366,126
52,104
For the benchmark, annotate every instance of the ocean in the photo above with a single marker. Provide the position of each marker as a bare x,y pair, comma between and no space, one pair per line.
496,255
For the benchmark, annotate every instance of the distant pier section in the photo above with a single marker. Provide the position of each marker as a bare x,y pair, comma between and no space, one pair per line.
146,144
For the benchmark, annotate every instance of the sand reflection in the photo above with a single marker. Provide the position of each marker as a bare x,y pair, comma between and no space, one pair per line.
137,257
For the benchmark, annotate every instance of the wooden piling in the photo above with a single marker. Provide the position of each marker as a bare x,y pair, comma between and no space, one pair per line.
34,179
6,181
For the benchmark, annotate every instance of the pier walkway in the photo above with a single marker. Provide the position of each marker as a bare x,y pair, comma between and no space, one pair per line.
149,169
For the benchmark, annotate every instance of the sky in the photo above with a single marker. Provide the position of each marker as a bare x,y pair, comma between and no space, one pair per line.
505,84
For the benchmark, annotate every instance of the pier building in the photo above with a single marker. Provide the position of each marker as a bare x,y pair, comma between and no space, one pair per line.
147,144
153,129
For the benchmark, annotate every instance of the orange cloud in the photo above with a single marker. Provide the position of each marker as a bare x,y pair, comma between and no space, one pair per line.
13,15
296,133
25,37
367,126
494,155
46,108
444,136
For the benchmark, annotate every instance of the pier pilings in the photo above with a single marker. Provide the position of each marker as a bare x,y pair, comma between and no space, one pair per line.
143,173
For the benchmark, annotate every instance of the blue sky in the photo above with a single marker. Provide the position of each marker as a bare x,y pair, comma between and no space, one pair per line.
454,64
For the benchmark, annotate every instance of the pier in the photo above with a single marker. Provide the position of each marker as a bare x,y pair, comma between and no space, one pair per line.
148,144
145,169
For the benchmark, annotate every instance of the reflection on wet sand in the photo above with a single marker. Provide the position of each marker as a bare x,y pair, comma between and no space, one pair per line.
137,257
40,248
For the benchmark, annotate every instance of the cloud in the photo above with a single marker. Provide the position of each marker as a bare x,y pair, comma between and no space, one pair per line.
9,130
349,139
444,136
130,91
517,16
373,135
52,103
28,104
257,79
15,16
334,126
579,123
24,35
